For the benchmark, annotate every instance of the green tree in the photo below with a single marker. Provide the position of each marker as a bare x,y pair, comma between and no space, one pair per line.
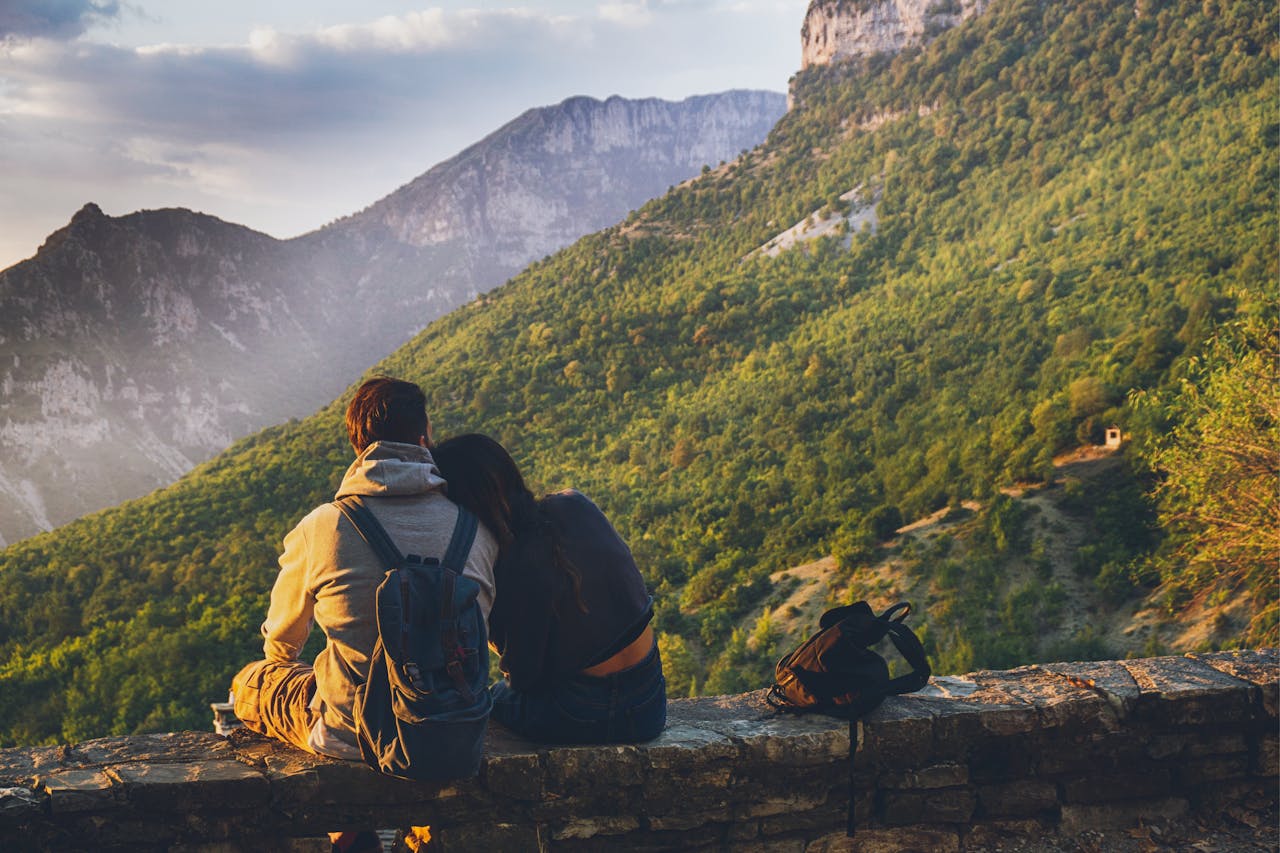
1221,467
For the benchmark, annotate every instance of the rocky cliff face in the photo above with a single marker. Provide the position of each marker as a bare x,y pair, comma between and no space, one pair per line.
534,186
133,348
838,30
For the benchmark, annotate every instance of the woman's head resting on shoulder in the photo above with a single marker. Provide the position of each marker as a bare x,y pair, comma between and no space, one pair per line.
484,478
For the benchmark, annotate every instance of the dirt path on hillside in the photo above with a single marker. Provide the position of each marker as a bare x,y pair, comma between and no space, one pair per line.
804,592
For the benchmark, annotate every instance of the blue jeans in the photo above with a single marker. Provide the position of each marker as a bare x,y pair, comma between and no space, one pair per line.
626,707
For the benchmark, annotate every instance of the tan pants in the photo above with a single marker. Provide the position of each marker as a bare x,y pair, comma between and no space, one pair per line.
274,699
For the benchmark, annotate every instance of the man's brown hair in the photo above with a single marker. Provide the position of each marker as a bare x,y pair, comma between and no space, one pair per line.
386,409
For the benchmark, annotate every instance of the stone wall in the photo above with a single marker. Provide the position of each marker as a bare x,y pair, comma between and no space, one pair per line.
965,765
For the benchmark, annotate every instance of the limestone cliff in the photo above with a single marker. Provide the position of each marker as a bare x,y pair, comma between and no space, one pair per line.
532,187
839,30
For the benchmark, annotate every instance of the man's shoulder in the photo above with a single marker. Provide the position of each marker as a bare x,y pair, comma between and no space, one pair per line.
324,515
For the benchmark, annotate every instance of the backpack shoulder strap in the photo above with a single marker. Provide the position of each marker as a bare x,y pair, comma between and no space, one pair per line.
464,535
370,529
909,646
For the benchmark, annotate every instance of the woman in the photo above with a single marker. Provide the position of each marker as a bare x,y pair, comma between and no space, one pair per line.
571,615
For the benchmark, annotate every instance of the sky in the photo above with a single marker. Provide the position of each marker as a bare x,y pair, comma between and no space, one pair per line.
284,115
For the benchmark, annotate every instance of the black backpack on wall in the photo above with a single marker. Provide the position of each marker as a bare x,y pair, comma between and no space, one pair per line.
837,672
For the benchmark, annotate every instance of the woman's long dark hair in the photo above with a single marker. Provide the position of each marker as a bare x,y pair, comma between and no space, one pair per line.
485,479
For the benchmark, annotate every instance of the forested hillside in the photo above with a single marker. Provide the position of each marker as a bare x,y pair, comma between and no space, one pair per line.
1075,226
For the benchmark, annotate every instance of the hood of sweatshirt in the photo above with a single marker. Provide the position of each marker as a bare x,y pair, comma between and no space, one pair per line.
392,468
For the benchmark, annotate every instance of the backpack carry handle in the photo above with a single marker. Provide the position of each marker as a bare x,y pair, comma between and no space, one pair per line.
892,615
836,615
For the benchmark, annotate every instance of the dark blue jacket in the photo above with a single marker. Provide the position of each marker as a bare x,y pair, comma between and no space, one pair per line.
543,628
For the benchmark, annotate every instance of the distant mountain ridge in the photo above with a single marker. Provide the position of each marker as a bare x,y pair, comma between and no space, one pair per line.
133,347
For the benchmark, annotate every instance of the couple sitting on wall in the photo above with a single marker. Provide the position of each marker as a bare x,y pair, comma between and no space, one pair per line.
566,607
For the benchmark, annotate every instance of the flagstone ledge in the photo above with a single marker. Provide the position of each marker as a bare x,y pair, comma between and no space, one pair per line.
1044,749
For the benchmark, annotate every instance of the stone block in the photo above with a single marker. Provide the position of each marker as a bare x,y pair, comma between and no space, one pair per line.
1178,691
358,784
1010,720
783,803
1006,834
486,836
20,804
1227,797
1266,760
1080,817
945,805
292,783
71,791
998,760
1206,745
579,769
913,839
681,748
180,787
172,748
691,820
1260,668
702,791
519,777
959,725
20,767
702,838
1092,753
1099,788
254,749
1106,679
1217,768
790,741
1033,698
752,786
933,776
828,817
590,827
1016,799
832,843
1162,747
134,832
897,734
776,845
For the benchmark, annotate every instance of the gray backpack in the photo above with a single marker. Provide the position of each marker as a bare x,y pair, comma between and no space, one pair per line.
425,708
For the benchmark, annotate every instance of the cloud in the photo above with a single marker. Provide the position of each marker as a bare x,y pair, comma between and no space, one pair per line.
635,14
285,130
55,19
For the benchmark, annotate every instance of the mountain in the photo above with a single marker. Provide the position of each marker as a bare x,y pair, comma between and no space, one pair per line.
837,31
533,187
133,347
1052,219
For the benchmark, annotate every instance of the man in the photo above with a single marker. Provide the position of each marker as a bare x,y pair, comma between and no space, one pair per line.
329,575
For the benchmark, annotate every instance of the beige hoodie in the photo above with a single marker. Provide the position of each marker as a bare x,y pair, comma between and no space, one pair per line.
329,576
